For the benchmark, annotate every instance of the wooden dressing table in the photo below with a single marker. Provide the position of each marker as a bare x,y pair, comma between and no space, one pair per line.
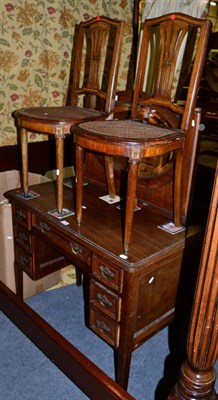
128,299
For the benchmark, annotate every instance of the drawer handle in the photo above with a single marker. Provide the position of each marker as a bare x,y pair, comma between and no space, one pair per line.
21,216
24,260
44,227
23,237
102,326
106,272
76,249
104,301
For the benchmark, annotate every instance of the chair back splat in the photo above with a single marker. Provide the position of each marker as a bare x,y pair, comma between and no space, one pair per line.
94,76
97,58
171,47
162,133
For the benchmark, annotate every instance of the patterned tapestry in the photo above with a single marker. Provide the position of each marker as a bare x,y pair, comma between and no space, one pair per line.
36,39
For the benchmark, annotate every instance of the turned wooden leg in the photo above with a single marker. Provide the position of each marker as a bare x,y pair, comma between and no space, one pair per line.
24,155
178,189
109,168
59,171
130,202
79,182
197,376
194,384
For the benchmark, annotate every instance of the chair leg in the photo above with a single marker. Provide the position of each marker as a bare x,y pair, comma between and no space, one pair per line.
130,202
178,189
79,182
59,172
110,176
24,155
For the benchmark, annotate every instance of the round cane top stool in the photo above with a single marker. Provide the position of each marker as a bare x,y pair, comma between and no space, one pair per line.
55,121
134,140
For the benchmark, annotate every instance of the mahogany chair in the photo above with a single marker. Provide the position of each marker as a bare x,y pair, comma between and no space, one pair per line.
94,78
159,124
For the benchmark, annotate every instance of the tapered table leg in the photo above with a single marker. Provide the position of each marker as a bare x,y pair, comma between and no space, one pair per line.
18,280
123,361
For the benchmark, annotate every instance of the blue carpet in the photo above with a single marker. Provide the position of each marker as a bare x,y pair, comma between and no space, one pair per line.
25,373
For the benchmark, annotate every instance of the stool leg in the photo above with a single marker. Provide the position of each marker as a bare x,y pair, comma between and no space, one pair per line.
24,155
178,189
110,175
79,182
130,202
59,171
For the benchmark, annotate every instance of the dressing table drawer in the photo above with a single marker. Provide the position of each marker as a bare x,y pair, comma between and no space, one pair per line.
72,247
23,259
22,237
105,301
22,216
107,273
104,327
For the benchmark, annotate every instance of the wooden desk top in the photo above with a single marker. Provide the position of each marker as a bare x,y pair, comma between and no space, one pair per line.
101,228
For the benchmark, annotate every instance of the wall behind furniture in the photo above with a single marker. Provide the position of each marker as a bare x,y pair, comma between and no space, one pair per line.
36,39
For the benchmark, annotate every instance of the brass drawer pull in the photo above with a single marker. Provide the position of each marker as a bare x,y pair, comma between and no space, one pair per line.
21,216
104,301
102,326
24,260
106,272
76,249
23,237
44,227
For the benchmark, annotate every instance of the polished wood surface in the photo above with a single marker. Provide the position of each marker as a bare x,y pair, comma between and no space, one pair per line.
198,375
93,38
134,287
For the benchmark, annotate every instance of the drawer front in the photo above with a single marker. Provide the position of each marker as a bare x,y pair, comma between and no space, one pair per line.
105,328
23,259
22,237
106,301
22,216
72,247
108,274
